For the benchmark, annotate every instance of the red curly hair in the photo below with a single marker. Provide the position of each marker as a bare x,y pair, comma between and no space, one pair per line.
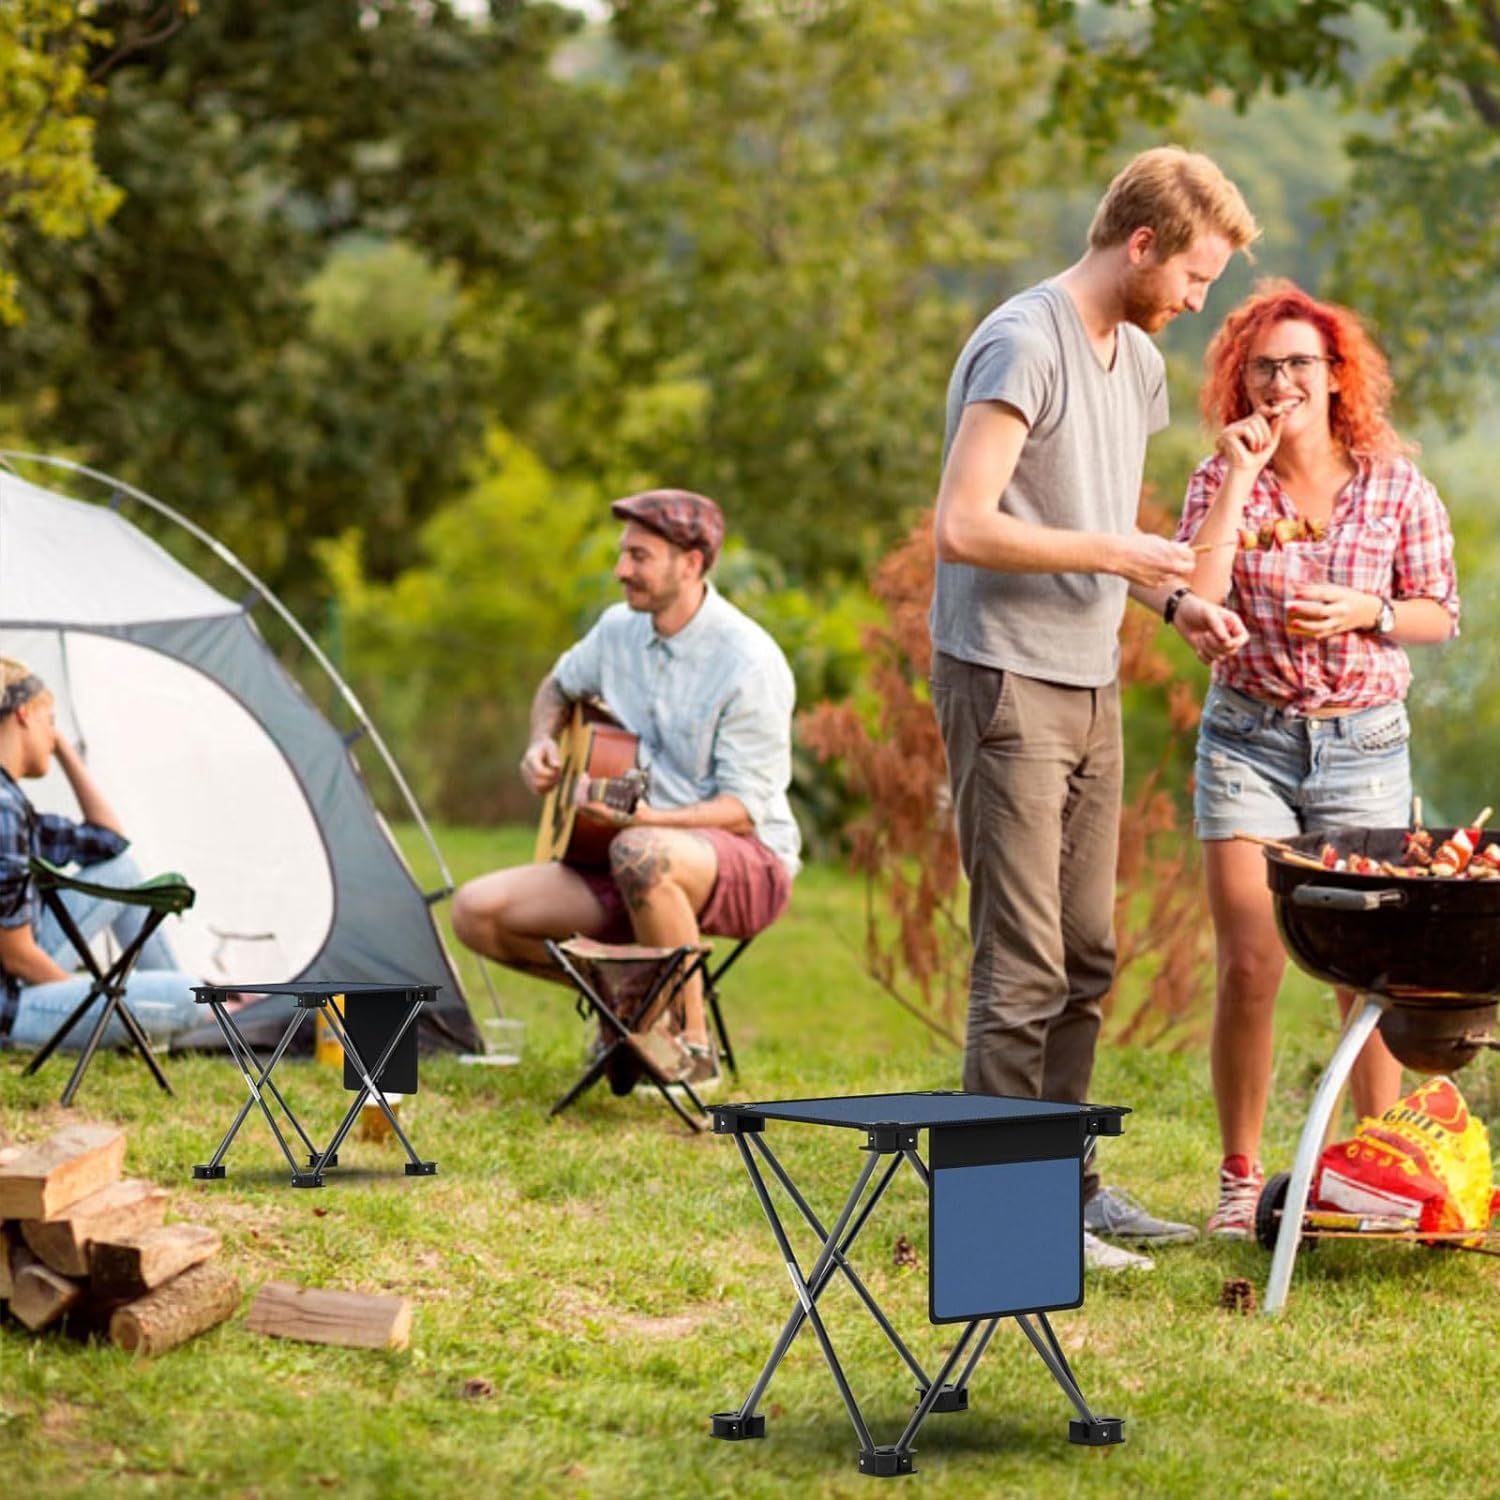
1356,411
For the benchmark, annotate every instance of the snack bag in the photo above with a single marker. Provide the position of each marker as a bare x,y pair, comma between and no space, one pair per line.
1426,1158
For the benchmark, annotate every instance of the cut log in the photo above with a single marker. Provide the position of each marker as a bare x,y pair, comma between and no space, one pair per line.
351,1319
38,1295
49,1177
132,1266
202,1297
9,1239
115,1212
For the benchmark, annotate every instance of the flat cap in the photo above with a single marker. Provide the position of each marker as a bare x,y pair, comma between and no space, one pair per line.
686,520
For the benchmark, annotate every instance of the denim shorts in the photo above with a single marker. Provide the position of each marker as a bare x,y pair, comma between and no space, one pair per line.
1260,770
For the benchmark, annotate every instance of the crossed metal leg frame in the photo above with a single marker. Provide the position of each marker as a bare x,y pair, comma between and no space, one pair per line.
111,985
674,972
942,1393
258,1082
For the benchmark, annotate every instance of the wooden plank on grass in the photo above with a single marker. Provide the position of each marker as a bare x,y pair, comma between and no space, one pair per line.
132,1266
54,1174
351,1319
115,1212
203,1296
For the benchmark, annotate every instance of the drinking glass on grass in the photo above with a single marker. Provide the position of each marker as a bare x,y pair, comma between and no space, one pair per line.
1305,562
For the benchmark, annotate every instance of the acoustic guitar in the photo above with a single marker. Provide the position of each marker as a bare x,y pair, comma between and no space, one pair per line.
598,765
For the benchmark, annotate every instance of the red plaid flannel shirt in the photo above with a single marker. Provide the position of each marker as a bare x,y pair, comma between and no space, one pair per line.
1388,535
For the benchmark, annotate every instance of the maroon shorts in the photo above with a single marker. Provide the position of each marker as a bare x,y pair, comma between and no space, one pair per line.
751,891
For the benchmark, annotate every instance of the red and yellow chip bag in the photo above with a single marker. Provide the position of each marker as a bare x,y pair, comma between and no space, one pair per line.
1426,1158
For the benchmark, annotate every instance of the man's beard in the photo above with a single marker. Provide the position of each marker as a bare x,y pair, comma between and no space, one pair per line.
1143,303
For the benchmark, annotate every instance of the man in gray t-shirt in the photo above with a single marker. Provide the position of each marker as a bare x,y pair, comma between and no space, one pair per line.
1049,409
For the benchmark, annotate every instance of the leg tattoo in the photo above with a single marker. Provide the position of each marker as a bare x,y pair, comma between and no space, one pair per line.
638,865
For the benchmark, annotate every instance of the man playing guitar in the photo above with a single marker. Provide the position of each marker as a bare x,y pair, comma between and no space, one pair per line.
709,695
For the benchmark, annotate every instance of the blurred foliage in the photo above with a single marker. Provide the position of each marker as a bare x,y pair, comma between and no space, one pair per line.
772,275
49,180
1415,225
400,292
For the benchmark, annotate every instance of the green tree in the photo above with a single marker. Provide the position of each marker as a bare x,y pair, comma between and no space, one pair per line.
795,213
269,331
49,180
1415,224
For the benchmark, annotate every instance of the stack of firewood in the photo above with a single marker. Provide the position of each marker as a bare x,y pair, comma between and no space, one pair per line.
82,1247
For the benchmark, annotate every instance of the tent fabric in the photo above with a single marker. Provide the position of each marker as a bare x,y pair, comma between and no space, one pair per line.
217,762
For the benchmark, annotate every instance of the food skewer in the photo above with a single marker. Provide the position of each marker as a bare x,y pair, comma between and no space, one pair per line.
1285,850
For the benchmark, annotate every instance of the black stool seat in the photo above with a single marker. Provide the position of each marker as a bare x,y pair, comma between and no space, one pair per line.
368,1021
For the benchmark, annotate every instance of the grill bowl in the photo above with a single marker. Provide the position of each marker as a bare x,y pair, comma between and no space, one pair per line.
1431,947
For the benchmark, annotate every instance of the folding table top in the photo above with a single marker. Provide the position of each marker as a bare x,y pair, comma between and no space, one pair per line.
320,989
922,1111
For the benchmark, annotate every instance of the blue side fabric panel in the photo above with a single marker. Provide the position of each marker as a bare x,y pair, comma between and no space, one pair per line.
1007,1237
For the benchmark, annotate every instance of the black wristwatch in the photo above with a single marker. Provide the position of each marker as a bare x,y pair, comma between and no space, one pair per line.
1385,621
1174,603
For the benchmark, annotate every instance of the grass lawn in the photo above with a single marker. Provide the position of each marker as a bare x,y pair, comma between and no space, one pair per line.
613,1282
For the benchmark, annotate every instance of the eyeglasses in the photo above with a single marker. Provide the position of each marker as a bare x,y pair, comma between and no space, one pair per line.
1297,366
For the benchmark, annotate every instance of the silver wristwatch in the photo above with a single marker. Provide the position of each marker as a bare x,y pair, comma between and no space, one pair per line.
1385,621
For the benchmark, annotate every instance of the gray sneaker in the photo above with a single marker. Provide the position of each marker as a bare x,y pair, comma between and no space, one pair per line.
1100,1255
1113,1212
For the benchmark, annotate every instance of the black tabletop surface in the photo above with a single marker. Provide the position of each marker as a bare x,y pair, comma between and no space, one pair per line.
311,987
921,1111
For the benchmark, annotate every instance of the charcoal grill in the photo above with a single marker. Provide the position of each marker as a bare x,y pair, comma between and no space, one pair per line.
1424,956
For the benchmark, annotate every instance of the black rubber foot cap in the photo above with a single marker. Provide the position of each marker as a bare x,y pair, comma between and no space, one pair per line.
421,1169
307,1179
1100,1433
734,1428
208,1174
950,1398
314,1159
885,1463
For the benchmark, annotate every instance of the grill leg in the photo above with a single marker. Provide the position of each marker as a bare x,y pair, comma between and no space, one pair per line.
1361,1023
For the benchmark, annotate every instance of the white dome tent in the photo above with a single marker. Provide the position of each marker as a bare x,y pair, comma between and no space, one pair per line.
217,762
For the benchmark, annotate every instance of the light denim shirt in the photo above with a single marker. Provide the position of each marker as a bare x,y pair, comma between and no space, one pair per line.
711,706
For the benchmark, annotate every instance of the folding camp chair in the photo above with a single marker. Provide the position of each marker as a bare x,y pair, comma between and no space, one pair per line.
628,988
162,896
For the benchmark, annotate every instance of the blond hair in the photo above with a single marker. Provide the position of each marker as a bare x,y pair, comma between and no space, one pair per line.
1178,195
18,685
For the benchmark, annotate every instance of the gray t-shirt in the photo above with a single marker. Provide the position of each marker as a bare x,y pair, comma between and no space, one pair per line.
1079,469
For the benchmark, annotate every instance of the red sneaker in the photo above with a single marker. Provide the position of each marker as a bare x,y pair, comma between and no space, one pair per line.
1239,1192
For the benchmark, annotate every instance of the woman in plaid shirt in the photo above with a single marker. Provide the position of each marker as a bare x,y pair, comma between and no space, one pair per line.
1317,528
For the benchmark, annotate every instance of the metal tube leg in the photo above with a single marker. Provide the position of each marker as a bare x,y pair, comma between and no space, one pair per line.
1310,1147
840,1260
1060,1373
925,1405
800,1285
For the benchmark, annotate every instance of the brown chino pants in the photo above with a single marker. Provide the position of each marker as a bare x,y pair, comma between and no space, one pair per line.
1036,774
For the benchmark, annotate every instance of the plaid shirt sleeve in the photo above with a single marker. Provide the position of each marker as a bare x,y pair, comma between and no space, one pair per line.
1423,565
61,841
1202,490
15,866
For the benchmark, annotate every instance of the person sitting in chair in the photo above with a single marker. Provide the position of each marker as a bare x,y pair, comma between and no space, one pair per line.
709,695
39,992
